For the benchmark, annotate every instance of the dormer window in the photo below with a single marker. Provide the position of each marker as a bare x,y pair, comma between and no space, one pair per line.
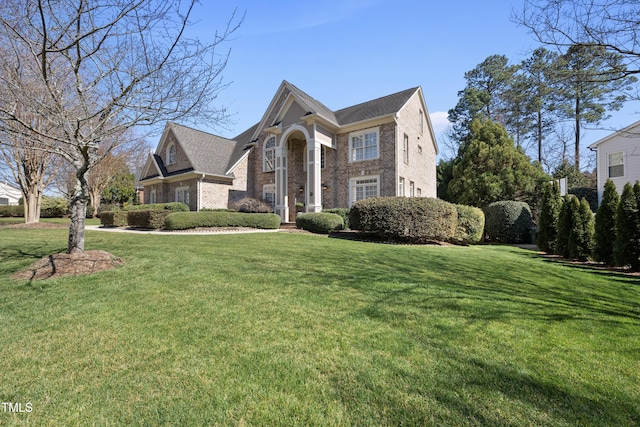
269,159
171,154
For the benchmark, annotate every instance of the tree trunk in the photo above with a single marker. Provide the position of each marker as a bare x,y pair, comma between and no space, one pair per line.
94,202
79,203
577,147
32,202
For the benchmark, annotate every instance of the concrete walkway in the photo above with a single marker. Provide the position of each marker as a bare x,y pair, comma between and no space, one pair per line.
181,233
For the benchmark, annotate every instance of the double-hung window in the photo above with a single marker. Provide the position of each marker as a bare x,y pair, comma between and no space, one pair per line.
364,145
616,165
405,148
364,187
182,195
269,194
269,155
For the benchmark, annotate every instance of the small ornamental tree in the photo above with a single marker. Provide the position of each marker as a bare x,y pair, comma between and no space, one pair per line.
564,227
581,234
605,224
626,249
549,213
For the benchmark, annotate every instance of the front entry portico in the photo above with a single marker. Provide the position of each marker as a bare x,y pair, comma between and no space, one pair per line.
297,172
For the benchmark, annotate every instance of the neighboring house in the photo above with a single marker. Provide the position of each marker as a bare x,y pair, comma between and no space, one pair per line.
9,195
301,156
618,158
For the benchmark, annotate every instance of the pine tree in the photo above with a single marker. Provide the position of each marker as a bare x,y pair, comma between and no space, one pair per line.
564,227
605,224
549,213
627,244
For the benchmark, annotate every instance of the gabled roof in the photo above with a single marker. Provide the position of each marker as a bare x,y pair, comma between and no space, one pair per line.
313,105
631,130
379,107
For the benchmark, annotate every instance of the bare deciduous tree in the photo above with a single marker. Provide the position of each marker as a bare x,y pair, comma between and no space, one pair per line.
104,66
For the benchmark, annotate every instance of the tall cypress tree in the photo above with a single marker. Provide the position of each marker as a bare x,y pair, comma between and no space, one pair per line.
549,213
627,244
564,227
581,234
605,225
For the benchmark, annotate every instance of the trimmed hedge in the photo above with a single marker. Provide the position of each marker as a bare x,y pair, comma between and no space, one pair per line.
470,225
113,218
13,211
320,222
187,220
343,212
171,207
508,222
147,219
414,220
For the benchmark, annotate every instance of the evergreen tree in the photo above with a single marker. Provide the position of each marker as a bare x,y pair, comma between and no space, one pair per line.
626,250
564,227
491,169
581,234
605,225
549,213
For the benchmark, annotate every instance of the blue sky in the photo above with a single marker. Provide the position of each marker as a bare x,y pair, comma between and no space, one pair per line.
343,52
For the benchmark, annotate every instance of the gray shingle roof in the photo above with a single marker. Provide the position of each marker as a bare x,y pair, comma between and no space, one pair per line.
207,153
313,104
383,106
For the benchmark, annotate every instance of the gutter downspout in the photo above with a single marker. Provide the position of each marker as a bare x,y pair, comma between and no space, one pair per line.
199,189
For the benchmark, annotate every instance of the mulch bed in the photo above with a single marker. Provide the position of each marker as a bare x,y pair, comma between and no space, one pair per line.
60,265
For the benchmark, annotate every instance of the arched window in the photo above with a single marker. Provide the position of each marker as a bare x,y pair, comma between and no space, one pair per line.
171,154
269,159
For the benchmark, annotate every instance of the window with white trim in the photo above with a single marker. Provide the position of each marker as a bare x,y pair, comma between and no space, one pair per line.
269,159
364,187
616,165
363,145
182,195
171,154
412,189
152,196
405,148
401,187
419,192
269,194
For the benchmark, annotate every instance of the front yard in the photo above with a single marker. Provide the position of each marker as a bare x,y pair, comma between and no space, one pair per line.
295,329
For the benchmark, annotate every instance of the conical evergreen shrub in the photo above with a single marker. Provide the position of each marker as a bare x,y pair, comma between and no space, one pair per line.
626,249
549,212
564,227
605,224
581,233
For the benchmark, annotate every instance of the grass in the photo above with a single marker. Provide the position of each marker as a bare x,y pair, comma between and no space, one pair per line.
291,329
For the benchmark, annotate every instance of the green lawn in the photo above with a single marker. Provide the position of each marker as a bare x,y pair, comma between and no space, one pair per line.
294,329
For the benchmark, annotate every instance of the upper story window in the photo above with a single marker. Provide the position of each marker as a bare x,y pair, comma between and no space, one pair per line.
364,145
269,159
171,154
405,148
421,122
616,165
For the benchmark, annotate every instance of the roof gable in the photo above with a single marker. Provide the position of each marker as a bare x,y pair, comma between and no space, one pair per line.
632,130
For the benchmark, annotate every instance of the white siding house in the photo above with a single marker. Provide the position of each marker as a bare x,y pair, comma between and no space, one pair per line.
618,158
9,195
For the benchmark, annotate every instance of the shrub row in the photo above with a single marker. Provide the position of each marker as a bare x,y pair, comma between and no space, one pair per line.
416,220
113,218
172,207
17,211
187,220
11,211
148,218
320,222
508,222
121,217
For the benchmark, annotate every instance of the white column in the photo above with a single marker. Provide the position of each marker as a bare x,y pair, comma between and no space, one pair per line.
282,198
314,185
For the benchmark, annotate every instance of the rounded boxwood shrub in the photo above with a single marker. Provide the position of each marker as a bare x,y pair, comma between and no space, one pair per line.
320,222
188,220
343,212
147,218
414,220
508,222
470,225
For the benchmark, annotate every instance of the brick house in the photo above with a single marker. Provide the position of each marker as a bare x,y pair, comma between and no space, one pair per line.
301,156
